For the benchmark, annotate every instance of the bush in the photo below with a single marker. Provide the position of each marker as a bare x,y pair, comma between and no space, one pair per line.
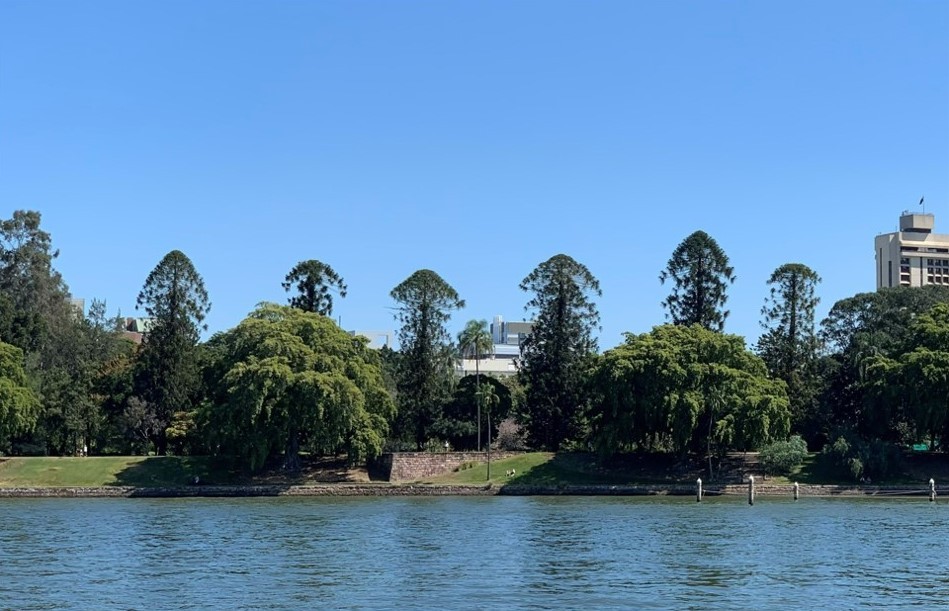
781,457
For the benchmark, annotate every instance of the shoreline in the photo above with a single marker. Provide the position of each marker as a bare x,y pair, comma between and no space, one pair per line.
417,490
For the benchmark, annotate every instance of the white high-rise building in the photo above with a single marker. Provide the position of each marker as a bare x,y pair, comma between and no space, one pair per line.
914,255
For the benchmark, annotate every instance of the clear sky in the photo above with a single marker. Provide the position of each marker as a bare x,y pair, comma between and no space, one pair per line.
476,139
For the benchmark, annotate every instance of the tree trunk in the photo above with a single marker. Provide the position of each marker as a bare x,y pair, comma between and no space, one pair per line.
478,395
291,460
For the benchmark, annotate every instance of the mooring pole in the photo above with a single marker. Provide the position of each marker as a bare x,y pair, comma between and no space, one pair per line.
797,491
698,490
932,490
751,489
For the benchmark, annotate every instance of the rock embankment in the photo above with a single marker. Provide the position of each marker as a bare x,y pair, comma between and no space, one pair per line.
382,489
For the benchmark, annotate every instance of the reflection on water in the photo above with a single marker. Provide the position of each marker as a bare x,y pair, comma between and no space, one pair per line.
471,553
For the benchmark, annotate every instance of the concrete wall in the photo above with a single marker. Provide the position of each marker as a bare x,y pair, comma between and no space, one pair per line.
411,466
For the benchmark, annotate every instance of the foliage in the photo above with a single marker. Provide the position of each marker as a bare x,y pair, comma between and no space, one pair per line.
871,335
556,354
19,407
676,387
427,357
912,385
850,457
167,376
292,380
511,435
700,274
781,457
314,280
790,346
475,340
35,298
457,421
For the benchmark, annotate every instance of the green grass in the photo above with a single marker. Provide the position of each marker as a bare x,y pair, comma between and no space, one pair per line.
478,472
548,469
93,471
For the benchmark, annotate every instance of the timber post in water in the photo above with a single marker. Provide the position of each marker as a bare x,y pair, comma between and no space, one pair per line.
932,490
698,490
797,491
751,489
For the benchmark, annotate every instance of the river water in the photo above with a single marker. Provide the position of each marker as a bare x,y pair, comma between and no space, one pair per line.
472,553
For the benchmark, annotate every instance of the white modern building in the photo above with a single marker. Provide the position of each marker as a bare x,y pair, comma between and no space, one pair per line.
502,361
914,255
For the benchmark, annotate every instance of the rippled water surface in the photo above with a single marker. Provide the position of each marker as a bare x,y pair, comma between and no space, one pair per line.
470,553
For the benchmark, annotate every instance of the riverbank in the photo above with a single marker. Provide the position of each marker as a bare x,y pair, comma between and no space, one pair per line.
385,489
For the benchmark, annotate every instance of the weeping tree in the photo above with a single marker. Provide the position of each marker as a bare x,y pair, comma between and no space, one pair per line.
680,389
556,353
700,275
314,282
475,341
19,407
167,375
427,360
291,380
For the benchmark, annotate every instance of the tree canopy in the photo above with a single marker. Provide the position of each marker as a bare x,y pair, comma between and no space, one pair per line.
292,380
314,281
175,298
700,274
789,345
557,351
678,388
427,361
19,407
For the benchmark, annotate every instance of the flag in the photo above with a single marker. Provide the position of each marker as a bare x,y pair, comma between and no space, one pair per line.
921,200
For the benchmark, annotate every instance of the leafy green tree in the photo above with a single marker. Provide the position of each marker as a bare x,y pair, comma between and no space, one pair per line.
294,380
19,407
475,340
455,424
790,346
74,414
175,298
557,352
913,386
700,275
866,334
62,353
314,281
35,296
427,360
678,388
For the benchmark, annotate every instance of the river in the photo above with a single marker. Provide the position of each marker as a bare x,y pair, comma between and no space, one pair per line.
472,553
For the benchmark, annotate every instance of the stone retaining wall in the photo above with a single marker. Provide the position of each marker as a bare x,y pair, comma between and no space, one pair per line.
383,489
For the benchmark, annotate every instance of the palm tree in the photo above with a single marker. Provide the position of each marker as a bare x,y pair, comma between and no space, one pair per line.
475,340
489,396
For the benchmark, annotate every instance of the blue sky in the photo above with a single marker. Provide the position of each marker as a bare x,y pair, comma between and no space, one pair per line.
476,139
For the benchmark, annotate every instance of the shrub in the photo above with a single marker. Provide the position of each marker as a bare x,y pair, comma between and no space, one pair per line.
781,457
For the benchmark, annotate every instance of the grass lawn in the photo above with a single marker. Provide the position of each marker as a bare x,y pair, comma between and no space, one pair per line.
548,469
112,471
162,471
477,473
